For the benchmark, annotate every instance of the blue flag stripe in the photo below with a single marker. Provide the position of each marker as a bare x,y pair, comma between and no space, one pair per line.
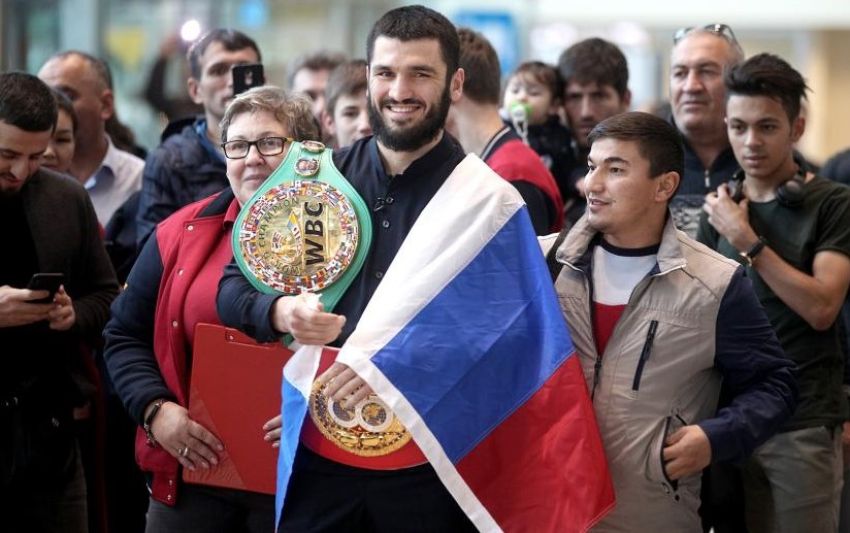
477,375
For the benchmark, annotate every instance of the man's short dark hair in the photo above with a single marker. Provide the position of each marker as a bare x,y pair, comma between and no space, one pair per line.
542,73
317,61
596,61
480,63
231,40
768,75
410,23
658,141
26,102
348,79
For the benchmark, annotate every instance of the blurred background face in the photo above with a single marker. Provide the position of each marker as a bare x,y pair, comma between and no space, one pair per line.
350,120
588,104
311,83
60,149
697,93
525,89
76,78
247,174
214,90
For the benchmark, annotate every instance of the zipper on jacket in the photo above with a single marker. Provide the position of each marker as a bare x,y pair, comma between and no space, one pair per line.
644,353
707,180
597,369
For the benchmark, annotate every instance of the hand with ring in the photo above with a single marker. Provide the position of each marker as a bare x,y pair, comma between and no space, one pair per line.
189,442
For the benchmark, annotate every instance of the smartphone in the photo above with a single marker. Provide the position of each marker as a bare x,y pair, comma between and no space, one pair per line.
46,281
247,76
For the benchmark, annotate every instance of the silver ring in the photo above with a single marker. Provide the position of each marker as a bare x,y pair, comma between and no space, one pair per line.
184,451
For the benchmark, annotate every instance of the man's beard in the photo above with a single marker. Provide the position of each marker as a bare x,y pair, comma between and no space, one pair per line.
410,138
6,193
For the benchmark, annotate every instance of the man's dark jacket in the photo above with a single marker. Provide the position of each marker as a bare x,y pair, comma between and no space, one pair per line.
178,172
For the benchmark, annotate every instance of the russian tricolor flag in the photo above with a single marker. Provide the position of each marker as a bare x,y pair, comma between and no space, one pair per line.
465,341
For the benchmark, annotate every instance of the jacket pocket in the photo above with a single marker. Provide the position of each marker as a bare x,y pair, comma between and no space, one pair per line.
655,470
644,354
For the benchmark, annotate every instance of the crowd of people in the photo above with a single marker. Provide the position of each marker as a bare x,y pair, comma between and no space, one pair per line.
701,263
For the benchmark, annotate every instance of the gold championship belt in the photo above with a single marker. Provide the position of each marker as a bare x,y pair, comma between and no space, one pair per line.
369,429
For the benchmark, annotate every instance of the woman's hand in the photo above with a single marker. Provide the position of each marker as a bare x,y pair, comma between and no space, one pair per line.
272,429
189,442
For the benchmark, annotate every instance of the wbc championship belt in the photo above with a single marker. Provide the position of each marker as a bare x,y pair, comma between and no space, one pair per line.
306,229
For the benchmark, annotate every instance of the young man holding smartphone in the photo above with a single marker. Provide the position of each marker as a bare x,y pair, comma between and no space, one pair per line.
48,226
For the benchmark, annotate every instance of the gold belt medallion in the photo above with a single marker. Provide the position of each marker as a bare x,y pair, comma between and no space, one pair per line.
369,429
299,236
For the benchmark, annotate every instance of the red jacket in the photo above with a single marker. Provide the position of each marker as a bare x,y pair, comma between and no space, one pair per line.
146,324
514,161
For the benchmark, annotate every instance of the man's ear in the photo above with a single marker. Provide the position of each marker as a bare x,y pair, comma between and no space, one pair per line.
798,127
107,105
192,88
456,85
626,101
667,185
328,124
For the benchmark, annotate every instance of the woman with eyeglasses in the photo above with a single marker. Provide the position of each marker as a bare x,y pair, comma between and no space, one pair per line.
171,288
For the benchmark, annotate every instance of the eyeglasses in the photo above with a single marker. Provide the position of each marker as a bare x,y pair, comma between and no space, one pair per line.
266,146
720,29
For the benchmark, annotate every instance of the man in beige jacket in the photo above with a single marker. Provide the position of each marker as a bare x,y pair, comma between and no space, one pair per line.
658,320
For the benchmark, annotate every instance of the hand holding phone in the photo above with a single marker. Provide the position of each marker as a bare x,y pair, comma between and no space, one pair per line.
17,308
46,281
246,77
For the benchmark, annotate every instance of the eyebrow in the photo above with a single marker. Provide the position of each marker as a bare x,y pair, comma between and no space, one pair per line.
15,153
70,92
262,135
700,64
612,159
417,68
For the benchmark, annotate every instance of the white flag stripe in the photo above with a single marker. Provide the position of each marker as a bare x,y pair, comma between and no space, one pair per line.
300,370
467,211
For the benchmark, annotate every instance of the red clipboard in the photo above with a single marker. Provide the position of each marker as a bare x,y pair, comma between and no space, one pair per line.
234,390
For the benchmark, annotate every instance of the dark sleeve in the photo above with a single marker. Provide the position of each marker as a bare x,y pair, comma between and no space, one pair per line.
706,233
157,199
539,206
120,238
243,307
128,352
838,168
756,372
99,287
834,221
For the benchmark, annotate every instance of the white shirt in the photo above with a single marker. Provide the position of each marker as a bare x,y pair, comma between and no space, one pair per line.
119,176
